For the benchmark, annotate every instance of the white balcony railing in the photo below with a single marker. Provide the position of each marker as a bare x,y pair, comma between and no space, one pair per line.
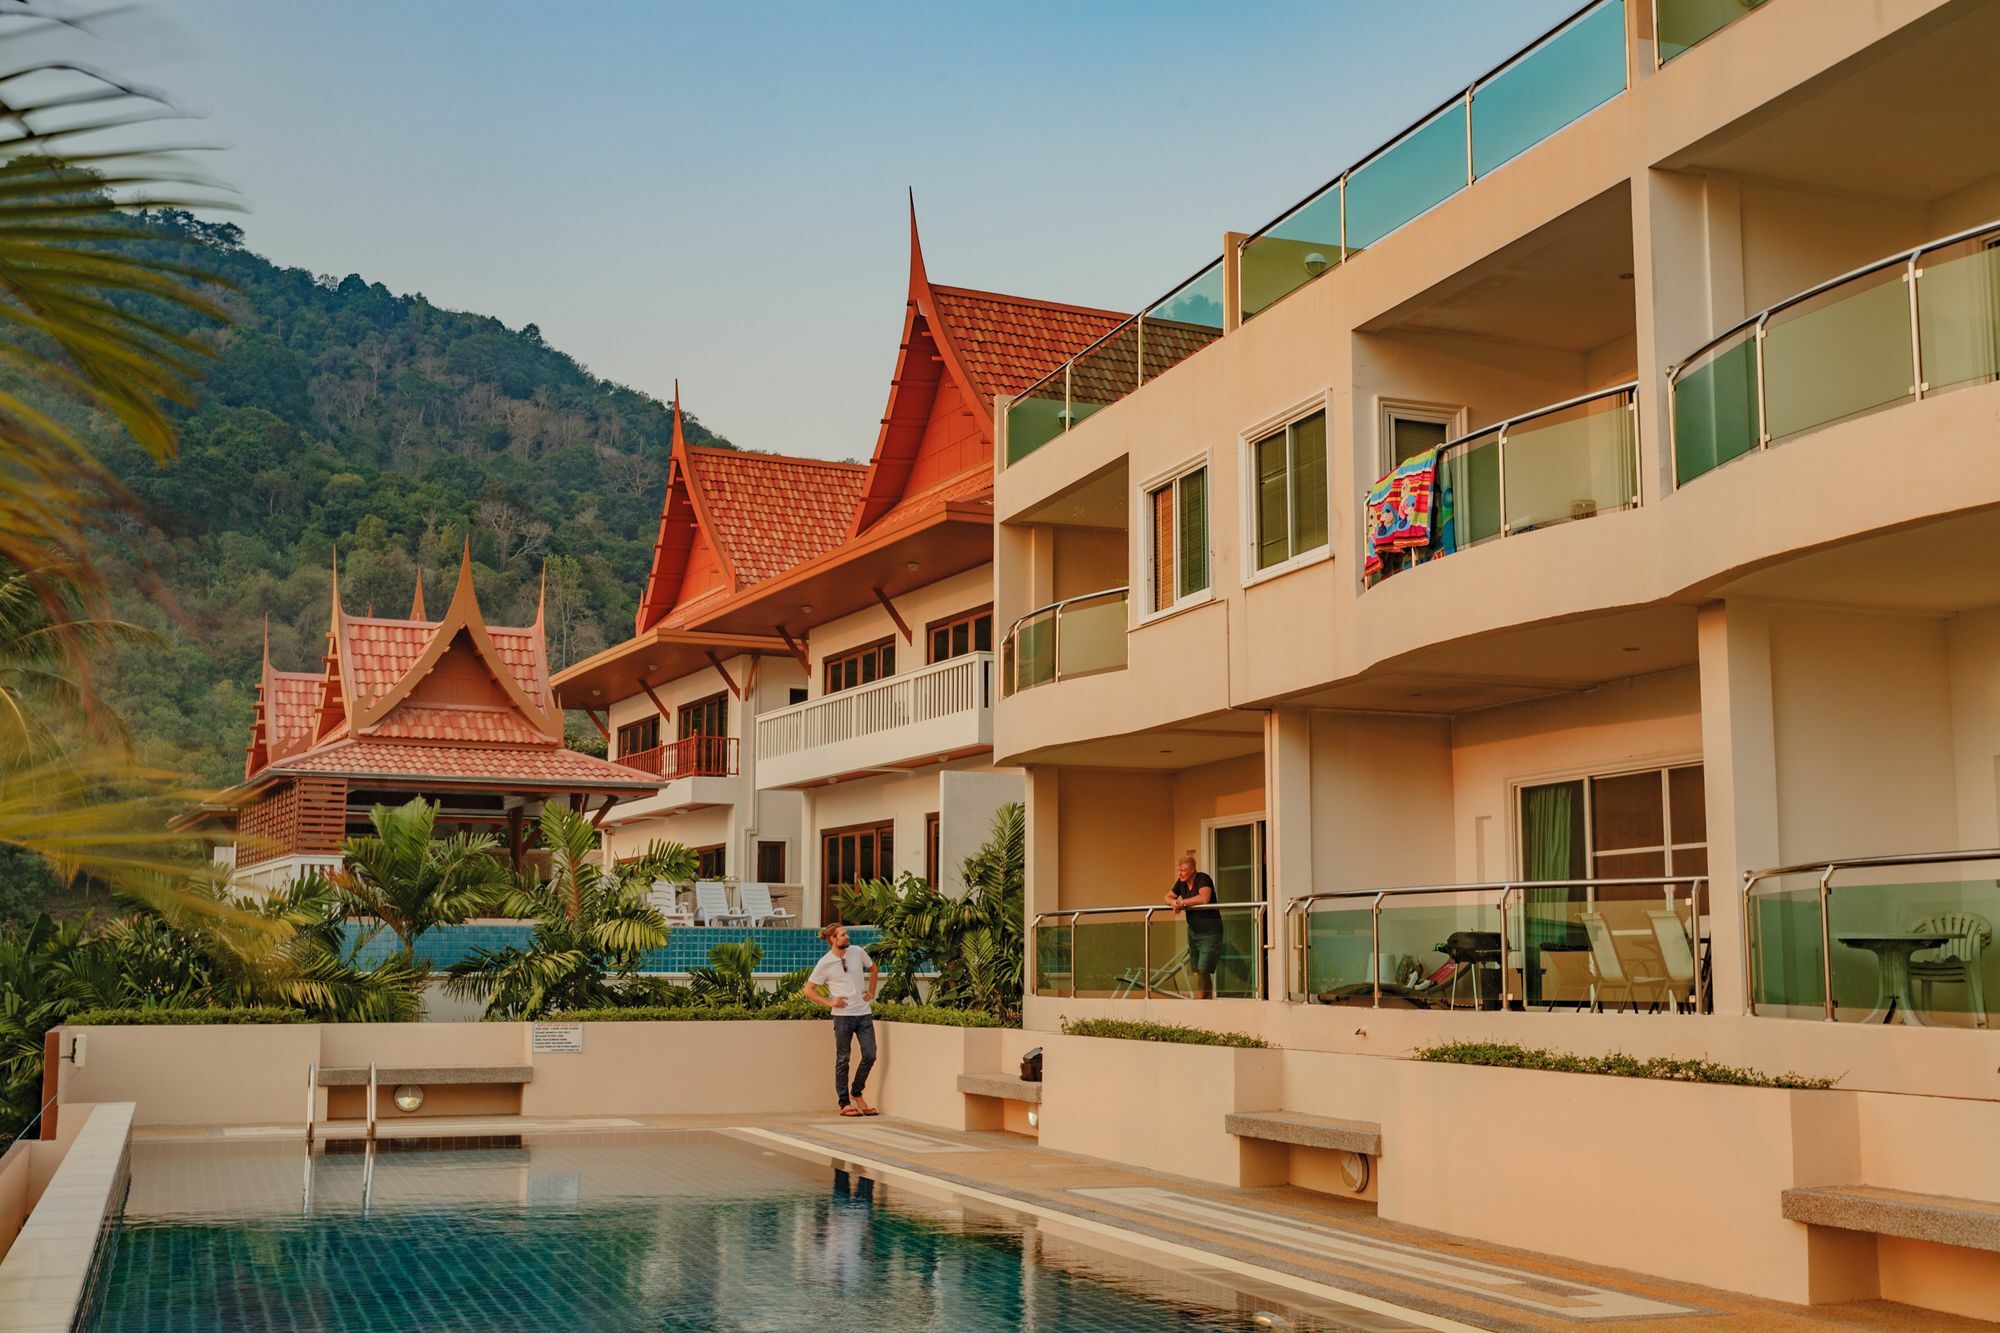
858,728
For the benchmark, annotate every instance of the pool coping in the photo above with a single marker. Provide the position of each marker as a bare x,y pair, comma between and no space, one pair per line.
50,1275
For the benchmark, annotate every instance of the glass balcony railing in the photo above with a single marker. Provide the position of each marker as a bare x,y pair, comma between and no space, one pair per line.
1078,636
1680,24
1143,953
1553,944
1570,460
1893,331
1560,77
1166,333
1877,940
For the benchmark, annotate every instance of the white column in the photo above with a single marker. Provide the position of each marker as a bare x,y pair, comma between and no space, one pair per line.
1740,773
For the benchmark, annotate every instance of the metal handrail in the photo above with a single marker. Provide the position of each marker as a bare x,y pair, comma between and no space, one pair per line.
1826,870
1301,908
33,1120
371,1101
1009,662
312,1098
1146,910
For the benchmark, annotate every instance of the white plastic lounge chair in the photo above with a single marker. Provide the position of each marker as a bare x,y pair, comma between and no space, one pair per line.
711,905
666,898
756,900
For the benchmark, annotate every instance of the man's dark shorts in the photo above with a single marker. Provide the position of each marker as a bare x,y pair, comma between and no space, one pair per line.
1204,952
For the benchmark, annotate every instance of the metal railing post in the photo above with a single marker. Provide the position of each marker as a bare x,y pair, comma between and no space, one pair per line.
1072,955
1055,643
1500,466
1826,941
1751,879
1375,949
371,1101
312,1100
1305,953
1470,174
1917,385
1343,216
1506,987
1146,954
1763,404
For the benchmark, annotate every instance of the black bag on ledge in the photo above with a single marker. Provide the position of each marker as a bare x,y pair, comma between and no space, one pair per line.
1031,1066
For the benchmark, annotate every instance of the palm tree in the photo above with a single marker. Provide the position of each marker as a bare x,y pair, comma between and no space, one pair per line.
592,927
410,880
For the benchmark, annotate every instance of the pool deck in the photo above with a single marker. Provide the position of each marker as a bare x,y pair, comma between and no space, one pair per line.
1313,1251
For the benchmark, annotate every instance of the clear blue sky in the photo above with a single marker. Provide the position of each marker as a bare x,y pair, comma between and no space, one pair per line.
715,191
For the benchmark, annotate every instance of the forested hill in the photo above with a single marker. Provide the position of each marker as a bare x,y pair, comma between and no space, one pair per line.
340,412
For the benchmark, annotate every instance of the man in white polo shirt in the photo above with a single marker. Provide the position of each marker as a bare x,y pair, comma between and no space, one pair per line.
845,981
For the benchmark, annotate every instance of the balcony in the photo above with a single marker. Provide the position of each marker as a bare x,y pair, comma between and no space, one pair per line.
1571,460
943,711
699,772
1682,24
1554,81
1894,331
1143,953
1078,636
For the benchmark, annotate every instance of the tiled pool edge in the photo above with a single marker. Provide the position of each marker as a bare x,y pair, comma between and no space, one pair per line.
47,1280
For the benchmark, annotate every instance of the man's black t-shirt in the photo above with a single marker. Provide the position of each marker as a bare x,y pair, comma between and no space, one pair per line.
1200,920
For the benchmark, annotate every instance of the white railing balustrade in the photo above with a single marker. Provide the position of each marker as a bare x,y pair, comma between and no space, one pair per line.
944,689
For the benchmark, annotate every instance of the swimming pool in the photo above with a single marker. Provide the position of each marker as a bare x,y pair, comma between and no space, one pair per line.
668,1230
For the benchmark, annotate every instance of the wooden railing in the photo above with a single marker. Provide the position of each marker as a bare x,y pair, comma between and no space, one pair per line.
688,757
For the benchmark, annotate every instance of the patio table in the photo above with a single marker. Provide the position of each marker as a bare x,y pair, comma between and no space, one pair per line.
1893,951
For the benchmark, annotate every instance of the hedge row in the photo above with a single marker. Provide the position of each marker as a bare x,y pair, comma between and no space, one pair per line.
1133,1030
1504,1055
186,1017
932,1015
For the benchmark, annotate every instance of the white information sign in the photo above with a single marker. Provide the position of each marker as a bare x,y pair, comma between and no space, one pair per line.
557,1039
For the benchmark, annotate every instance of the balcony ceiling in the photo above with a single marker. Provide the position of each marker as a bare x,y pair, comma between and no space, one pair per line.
657,656
1558,286
1098,501
1934,569
1910,118
1539,661
1209,740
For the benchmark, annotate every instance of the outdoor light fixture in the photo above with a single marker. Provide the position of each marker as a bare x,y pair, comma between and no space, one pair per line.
409,1097
1315,263
1354,1171
911,566
1034,1118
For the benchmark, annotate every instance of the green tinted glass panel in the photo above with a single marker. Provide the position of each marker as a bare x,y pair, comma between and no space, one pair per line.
1273,536
1572,464
1337,955
1578,69
1034,651
1847,353
1107,956
1309,483
1924,945
1182,323
1052,958
1104,373
1715,410
1193,504
1473,472
1609,946
1291,252
1091,637
1423,169
1035,418
1958,303
1785,953
1685,22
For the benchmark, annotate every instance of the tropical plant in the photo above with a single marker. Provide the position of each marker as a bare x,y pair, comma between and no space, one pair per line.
730,979
410,880
592,927
974,944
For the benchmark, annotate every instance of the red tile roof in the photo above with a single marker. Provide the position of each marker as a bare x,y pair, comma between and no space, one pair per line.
376,654
290,706
773,512
449,722
563,770
1009,342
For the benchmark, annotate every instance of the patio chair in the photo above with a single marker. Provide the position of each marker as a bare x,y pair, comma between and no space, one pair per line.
1134,979
711,905
756,900
1676,954
1956,961
666,899
1610,967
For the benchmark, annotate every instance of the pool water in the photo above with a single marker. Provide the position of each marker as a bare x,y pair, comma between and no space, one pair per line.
690,1230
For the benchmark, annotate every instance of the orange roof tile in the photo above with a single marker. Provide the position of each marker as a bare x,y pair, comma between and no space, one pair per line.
377,653
1008,342
289,708
772,512
564,770
448,722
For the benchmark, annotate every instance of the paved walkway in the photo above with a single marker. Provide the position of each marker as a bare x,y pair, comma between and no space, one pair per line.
1330,1260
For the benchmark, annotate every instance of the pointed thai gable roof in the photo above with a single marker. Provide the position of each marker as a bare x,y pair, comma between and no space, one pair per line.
733,518
286,704
961,348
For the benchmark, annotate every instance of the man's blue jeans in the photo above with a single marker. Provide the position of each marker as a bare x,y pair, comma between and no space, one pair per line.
843,1029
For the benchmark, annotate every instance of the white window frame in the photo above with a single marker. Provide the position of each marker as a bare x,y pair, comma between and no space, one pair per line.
1141,503
1517,787
1388,411
1247,478
1262,862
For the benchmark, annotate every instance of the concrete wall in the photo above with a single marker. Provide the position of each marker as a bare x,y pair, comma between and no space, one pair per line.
967,801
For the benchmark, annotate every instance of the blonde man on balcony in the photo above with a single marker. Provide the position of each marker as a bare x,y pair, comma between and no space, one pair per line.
1192,896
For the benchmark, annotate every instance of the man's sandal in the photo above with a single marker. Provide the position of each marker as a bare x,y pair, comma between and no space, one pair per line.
849,1110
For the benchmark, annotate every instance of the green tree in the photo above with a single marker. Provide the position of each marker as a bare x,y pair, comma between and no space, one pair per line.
409,880
592,927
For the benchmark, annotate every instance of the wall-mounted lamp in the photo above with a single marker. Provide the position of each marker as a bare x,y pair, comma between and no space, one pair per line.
1315,263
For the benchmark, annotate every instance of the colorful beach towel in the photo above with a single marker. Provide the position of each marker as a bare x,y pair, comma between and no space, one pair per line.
1400,510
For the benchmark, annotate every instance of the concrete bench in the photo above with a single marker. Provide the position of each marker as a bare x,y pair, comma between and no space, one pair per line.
1306,1131
1939,1218
356,1076
1007,1087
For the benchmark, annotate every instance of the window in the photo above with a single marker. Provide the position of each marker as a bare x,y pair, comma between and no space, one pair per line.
860,666
853,854
1178,541
711,862
705,717
1288,479
931,849
1648,824
1407,429
971,632
797,695
641,735
771,862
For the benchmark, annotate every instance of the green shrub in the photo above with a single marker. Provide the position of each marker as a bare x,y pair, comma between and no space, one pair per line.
937,1015
794,1008
1134,1030
1505,1055
131,1018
